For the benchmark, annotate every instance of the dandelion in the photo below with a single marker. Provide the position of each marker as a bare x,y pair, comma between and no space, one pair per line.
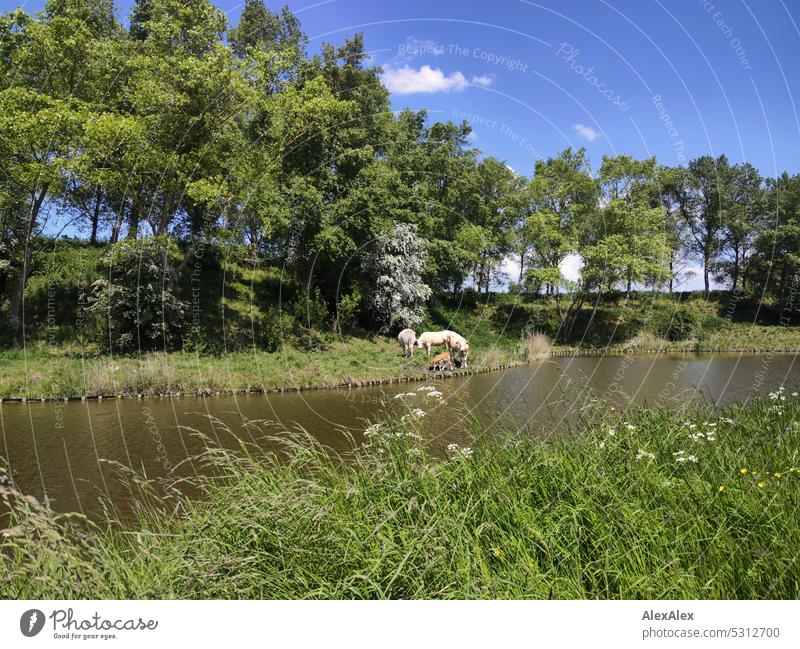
777,474
497,552
743,471
613,409
722,488
762,484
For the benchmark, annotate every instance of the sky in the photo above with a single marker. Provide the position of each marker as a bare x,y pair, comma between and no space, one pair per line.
671,78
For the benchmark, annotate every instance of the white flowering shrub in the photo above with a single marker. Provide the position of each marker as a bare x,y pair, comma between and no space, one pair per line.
397,294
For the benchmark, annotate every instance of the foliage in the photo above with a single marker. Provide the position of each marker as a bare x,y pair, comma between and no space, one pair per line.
183,126
141,310
396,292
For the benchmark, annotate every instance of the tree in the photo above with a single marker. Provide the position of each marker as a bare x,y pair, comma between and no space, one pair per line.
47,83
561,194
743,217
628,242
776,265
702,199
396,294
261,28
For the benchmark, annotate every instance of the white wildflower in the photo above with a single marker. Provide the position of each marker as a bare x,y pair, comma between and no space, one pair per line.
455,449
374,429
642,454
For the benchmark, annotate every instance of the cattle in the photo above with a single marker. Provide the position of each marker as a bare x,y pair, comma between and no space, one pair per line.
441,363
430,338
407,338
456,344
458,347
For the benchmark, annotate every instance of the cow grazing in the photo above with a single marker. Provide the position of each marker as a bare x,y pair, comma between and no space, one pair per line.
458,347
407,338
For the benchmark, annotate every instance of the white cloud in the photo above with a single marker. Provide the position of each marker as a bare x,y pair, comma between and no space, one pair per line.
586,132
570,267
483,80
407,80
473,136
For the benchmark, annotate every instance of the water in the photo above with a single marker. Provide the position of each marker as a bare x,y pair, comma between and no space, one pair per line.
59,451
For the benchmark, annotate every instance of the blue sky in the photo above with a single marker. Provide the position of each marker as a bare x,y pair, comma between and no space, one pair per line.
674,79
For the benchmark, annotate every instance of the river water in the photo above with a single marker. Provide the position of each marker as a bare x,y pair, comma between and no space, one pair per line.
59,451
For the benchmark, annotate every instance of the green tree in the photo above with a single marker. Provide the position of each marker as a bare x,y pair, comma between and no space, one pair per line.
627,242
562,195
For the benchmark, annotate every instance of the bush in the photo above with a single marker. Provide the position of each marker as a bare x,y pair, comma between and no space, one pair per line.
136,296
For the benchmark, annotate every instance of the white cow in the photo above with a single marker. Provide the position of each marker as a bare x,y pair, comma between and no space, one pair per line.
430,338
407,338
455,343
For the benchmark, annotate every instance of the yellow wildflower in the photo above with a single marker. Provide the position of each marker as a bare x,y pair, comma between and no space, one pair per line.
777,474
497,552
762,484
743,471
721,488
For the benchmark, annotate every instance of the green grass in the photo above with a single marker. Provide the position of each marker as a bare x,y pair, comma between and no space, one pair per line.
68,370
569,517
41,373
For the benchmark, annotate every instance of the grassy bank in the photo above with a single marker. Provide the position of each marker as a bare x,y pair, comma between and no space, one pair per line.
69,371
652,504
41,373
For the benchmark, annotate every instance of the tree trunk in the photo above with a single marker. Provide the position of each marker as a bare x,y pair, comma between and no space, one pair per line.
18,299
133,221
118,222
706,283
95,216
671,273
735,268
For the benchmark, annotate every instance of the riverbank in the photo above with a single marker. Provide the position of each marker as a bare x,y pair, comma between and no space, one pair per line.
69,373
650,504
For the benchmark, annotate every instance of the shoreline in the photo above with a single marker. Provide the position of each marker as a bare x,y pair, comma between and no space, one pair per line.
409,378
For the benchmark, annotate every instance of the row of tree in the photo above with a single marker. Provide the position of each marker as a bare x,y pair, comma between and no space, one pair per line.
179,127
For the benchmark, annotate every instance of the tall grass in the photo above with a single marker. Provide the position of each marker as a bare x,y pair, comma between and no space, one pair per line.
533,346
618,509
